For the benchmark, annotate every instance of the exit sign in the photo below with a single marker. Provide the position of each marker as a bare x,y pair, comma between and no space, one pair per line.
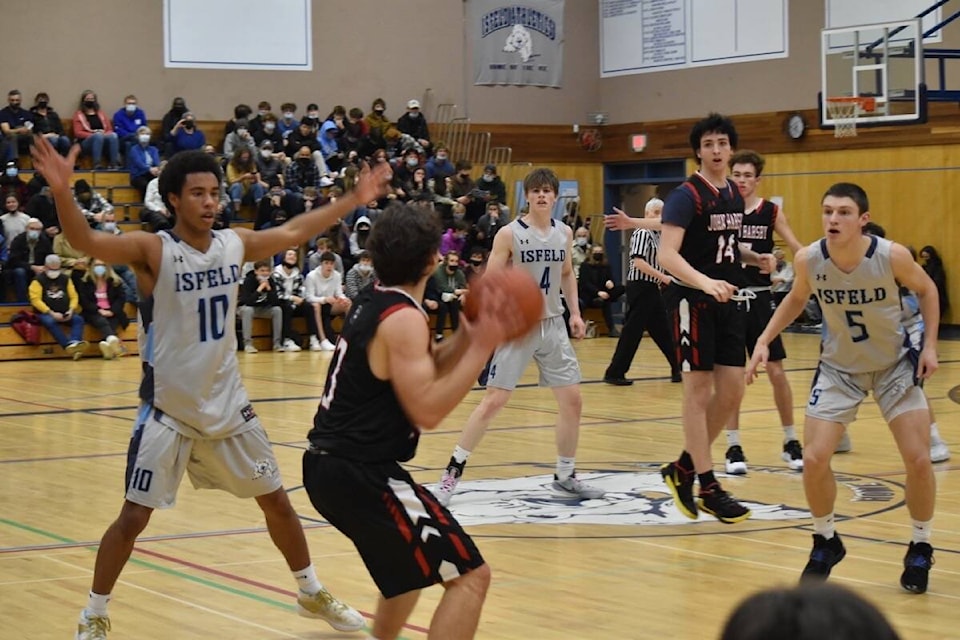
638,142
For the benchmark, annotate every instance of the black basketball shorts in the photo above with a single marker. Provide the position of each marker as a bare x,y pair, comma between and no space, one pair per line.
705,332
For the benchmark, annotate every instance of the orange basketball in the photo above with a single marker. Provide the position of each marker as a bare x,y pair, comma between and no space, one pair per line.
512,284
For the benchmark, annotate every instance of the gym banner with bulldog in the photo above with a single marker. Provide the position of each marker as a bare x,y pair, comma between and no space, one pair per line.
516,43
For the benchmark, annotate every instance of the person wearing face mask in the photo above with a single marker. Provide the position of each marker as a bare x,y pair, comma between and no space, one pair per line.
329,145
268,132
274,208
28,251
360,275
597,288
305,136
170,119
143,161
358,239
302,172
451,283
108,224
127,120
269,163
439,166
54,297
239,138
255,123
102,298
94,131
581,249
289,278
287,123
414,124
240,112
378,123
489,224
259,298
355,136
92,204
12,184
16,124
185,135
47,123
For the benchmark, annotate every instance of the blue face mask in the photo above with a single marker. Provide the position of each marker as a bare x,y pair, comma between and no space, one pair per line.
99,270
12,172
33,234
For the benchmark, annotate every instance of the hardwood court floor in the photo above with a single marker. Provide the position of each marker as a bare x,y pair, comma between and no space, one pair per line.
627,566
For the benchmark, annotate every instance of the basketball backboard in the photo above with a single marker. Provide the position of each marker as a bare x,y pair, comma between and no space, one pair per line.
880,61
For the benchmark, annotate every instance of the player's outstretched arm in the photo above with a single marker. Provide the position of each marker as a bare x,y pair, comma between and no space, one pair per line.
787,312
912,276
620,221
130,248
263,244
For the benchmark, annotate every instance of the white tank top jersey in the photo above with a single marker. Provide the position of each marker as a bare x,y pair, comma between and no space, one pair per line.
542,256
188,339
862,319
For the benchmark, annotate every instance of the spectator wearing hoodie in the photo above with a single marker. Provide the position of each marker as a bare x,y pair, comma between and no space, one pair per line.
329,145
358,239
439,166
127,120
91,204
414,124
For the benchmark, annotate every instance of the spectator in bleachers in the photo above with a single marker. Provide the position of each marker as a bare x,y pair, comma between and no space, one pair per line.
16,124
477,263
269,162
154,212
581,249
338,117
178,109
12,183
462,184
28,251
94,131
274,208
259,298
102,298
360,275
329,146
326,244
108,224
597,288
243,179
451,282
302,172
54,297
489,224
47,123
143,161
323,289
305,136
239,138
14,221
73,262
455,238
489,188
382,131
127,120
240,112
312,118
356,133
185,135
439,166
414,124
419,188
290,290
91,204
288,122
256,122
268,133
358,239
42,207
403,169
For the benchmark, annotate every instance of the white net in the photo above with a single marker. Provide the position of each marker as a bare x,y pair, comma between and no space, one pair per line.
844,115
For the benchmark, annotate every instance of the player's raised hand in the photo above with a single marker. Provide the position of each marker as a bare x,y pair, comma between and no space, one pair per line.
373,181
618,221
758,359
52,166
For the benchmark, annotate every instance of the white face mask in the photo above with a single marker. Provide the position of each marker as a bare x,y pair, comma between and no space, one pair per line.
581,242
262,113
241,132
261,278
266,153
269,127
365,268
288,115
414,114
130,108
53,274
144,139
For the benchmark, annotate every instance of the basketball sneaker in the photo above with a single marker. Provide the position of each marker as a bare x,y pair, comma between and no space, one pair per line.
916,567
824,556
91,627
793,455
736,462
680,483
939,452
573,487
722,506
324,606
448,484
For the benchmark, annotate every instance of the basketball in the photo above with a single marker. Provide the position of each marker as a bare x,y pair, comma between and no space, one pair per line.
513,284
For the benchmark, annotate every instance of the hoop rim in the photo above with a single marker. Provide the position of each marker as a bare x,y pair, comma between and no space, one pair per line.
867,104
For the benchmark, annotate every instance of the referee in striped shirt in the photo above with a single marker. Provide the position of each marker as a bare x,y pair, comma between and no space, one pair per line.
645,306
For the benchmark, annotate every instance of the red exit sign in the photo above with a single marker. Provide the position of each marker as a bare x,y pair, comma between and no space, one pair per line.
638,142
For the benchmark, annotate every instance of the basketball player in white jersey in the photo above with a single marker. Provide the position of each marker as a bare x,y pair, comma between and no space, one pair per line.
540,245
864,347
194,414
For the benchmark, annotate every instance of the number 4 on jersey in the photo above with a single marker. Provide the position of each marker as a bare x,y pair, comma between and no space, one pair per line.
545,280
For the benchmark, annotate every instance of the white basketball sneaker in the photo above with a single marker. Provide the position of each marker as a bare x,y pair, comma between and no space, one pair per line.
324,606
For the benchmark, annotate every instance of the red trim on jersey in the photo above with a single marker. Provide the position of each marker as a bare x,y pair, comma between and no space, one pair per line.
389,311
696,195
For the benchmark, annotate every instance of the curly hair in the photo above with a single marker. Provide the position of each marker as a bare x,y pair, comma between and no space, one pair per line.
403,244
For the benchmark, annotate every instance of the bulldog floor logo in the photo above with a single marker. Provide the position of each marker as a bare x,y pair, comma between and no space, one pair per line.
518,44
641,498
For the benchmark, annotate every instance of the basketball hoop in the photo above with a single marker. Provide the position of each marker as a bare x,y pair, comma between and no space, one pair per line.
844,111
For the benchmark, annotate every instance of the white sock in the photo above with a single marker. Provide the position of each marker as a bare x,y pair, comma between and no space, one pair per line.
825,526
733,437
307,579
935,434
97,604
922,531
460,454
565,467
789,433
